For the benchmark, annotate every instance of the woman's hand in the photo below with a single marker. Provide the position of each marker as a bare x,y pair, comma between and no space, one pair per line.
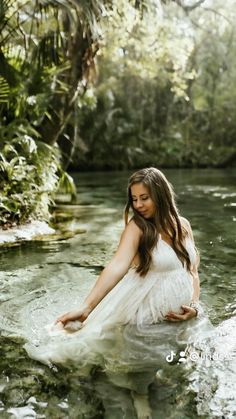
188,313
80,314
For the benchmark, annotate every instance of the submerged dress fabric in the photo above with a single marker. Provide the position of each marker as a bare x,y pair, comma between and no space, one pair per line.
127,331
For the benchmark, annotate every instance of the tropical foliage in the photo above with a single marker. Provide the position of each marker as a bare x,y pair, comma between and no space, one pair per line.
165,92
46,59
116,84
28,176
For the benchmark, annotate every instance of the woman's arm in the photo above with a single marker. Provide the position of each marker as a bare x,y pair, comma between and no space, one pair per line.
111,275
196,281
118,265
194,268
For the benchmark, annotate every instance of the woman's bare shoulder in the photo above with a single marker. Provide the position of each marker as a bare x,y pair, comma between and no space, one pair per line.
186,225
131,236
133,228
185,222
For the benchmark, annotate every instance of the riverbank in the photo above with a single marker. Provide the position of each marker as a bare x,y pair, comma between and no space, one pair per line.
25,232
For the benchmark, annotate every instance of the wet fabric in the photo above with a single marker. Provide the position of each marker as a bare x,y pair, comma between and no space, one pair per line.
127,333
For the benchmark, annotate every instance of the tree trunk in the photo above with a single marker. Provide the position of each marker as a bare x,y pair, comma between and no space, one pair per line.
80,53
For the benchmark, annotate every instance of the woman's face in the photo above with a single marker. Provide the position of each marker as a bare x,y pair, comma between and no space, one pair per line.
142,201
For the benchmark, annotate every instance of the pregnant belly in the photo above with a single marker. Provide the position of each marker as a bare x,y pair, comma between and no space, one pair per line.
169,293
176,291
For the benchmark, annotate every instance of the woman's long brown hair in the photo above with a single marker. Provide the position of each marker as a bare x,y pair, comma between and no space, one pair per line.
165,219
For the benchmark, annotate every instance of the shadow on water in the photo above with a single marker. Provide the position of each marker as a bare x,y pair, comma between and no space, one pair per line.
41,280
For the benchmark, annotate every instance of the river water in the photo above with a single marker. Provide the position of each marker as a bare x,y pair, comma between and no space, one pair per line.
40,280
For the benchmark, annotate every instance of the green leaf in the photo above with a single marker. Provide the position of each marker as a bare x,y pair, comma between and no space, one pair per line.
4,90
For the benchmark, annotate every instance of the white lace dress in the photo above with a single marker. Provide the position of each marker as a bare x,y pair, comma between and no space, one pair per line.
127,331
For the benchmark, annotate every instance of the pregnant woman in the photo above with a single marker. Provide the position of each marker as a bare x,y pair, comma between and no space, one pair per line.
144,303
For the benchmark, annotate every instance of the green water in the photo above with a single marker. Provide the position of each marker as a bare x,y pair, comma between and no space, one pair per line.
41,280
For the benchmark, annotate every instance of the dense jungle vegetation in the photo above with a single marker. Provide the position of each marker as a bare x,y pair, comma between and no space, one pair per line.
115,84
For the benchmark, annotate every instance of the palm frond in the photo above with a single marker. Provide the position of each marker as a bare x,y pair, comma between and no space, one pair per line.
4,90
